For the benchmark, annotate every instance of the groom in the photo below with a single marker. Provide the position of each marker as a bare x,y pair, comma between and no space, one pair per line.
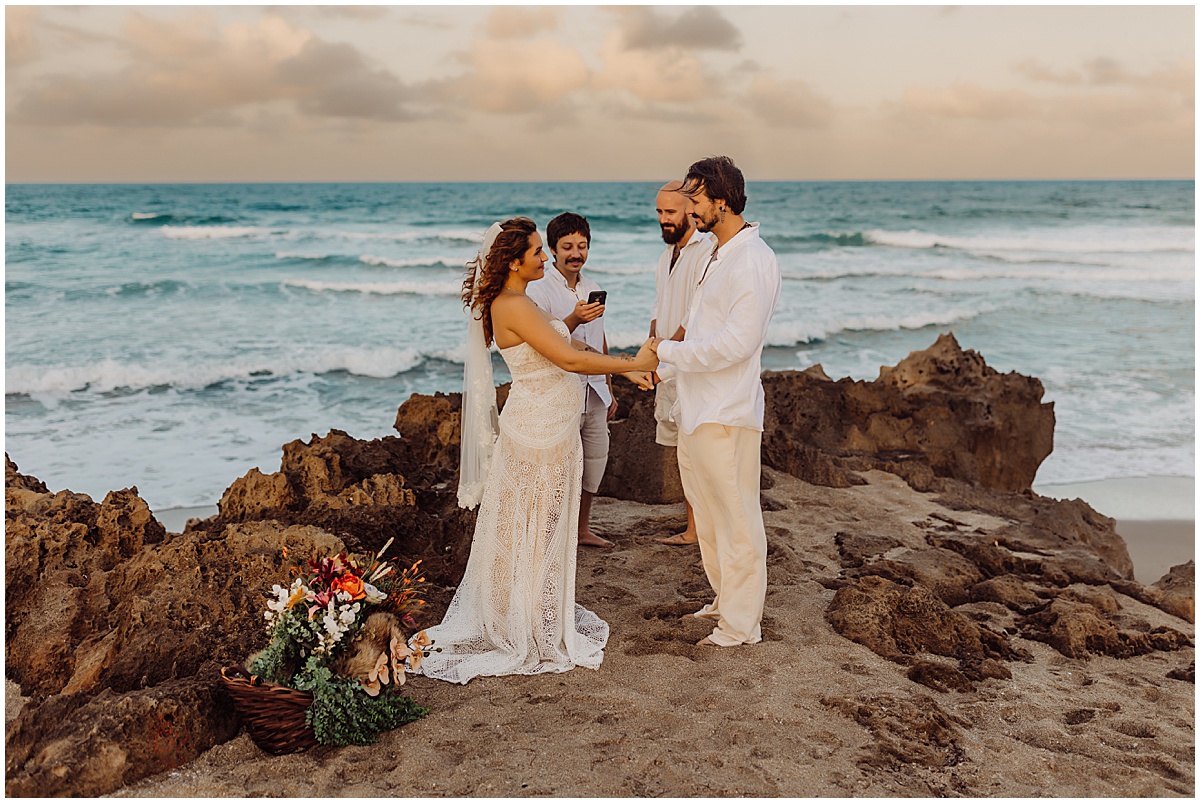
721,400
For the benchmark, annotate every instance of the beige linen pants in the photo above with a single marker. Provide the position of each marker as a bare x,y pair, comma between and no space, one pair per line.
593,429
720,467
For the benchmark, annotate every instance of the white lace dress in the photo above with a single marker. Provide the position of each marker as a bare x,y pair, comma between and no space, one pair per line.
514,612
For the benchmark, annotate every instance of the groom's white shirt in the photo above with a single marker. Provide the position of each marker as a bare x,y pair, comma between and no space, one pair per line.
718,365
552,294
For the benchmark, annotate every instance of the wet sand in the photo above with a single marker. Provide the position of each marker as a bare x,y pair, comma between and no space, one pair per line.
1156,546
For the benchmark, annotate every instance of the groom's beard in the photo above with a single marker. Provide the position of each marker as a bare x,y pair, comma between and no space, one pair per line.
704,224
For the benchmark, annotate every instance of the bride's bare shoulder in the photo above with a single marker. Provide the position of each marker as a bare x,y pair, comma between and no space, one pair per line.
507,300
513,304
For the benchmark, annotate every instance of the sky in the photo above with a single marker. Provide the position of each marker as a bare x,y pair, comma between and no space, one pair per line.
585,92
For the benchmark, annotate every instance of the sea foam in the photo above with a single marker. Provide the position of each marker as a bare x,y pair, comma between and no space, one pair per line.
108,375
216,232
417,262
380,288
1143,240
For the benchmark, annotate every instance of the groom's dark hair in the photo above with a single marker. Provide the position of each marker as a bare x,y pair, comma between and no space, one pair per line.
564,224
720,179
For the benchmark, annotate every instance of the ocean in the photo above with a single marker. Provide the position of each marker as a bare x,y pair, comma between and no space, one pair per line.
174,336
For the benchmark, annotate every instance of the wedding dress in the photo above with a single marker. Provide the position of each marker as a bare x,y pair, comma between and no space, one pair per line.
514,612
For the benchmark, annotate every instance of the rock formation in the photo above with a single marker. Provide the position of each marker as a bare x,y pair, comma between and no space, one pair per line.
941,412
366,492
116,630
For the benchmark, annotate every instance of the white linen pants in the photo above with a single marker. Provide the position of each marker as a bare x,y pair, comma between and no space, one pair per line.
720,467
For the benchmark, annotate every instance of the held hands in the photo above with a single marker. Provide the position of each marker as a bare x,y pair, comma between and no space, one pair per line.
647,361
647,356
643,379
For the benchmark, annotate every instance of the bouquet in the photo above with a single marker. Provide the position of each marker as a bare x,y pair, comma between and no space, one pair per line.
338,632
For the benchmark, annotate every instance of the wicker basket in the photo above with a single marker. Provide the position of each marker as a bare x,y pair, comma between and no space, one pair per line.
274,715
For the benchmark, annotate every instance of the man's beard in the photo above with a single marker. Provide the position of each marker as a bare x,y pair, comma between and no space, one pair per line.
672,234
703,224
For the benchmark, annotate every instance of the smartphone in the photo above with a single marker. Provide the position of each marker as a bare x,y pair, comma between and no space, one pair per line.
597,296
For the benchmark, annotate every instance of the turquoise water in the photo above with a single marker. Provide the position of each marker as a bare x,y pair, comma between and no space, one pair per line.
173,336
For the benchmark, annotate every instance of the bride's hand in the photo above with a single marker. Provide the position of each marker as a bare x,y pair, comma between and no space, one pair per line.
647,357
643,379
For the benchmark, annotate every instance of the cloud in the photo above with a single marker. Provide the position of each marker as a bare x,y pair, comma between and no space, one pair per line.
1037,71
335,80
367,13
20,48
1119,110
184,70
1104,71
967,101
426,19
672,75
700,28
327,12
625,109
497,82
788,104
1179,77
515,22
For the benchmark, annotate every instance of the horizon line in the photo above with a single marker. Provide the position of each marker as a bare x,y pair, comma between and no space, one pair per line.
584,181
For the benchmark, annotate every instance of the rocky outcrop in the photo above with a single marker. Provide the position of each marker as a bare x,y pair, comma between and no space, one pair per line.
90,745
14,480
899,623
942,412
907,731
638,469
361,490
1078,629
1177,591
115,631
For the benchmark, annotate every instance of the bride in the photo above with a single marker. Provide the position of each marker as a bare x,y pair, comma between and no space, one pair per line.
514,611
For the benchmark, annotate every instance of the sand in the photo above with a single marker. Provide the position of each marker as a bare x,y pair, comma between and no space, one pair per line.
664,717
1156,546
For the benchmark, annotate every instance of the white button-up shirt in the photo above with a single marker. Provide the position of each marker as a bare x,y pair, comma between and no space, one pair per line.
674,287
718,365
552,294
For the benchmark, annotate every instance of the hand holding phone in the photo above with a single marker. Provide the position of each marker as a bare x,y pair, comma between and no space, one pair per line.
592,308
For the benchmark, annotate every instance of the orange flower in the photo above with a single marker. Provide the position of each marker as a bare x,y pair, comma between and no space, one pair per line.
351,585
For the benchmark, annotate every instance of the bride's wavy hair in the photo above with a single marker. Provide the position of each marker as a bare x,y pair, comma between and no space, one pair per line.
510,245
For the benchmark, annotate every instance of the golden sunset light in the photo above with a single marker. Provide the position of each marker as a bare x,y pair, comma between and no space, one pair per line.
397,93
